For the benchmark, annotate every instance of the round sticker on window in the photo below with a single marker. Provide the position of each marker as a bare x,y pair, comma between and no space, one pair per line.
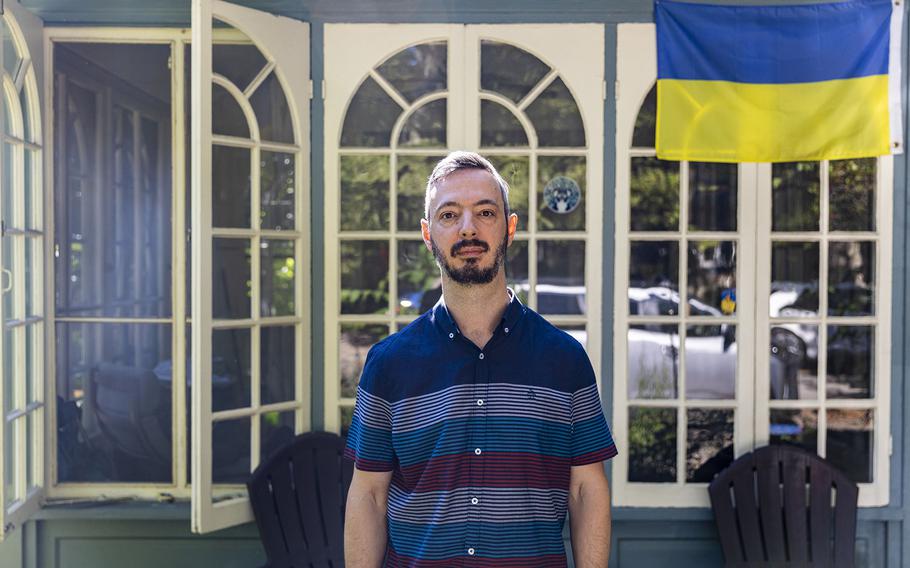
562,195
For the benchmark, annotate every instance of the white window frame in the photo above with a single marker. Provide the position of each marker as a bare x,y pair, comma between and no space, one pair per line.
347,63
636,74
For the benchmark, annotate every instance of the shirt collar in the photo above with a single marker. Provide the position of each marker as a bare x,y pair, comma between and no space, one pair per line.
444,320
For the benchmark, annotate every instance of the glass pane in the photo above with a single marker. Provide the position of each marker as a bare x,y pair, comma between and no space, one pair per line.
419,286
655,264
794,362
32,292
30,434
231,368
515,170
712,196
508,70
231,278
356,340
231,187
852,186
561,193
9,359
646,122
34,341
794,273
795,190
851,356
276,431
652,445
417,70
277,351
6,208
277,274
365,193
227,116
413,172
851,278
231,451
561,277
653,361
711,362
276,189
796,427
517,269
555,116
239,63
709,443
347,415
849,445
711,282
364,277
426,127
114,402
499,127
271,108
370,117
32,194
654,196
8,277
9,452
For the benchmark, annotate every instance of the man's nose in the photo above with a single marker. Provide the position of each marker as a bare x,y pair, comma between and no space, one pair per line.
467,229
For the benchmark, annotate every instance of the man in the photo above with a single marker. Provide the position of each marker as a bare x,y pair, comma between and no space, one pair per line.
479,424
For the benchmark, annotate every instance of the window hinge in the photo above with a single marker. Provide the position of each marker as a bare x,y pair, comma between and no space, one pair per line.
616,91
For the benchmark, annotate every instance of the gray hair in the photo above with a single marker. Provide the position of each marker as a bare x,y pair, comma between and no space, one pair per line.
461,160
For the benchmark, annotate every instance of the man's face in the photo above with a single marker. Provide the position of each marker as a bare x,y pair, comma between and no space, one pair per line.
467,231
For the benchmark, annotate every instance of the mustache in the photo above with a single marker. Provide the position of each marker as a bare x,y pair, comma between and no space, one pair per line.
469,243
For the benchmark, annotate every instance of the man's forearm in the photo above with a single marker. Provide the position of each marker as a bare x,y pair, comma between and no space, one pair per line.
589,519
364,532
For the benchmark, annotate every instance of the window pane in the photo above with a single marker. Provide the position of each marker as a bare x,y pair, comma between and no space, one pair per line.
9,452
652,444
277,352
271,108
712,278
346,416
711,362
517,269
851,355
499,127
239,63
413,172
709,443
426,127
231,187
276,189
556,118
796,427
275,431
646,121
654,195
794,362
364,277
655,264
419,286
508,70
849,445
561,277
795,187
561,193
851,278
515,170
712,196
794,269
277,272
370,117
32,192
114,402
9,360
9,187
356,341
227,116
231,451
34,342
653,361
852,186
11,58
231,278
8,276
417,70
30,433
231,369
365,193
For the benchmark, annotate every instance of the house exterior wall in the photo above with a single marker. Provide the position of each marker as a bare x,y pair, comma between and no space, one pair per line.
159,535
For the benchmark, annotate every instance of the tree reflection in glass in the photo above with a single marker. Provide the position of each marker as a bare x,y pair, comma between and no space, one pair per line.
354,344
652,444
711,277
709,443
795,196
798,427
851,274
364,277
653,361
852,194
364,196
712,196
849,442
654,195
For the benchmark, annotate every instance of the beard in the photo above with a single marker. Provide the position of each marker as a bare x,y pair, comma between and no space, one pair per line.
471,273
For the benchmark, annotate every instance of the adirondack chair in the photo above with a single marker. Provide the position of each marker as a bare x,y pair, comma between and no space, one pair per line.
784,507
298,496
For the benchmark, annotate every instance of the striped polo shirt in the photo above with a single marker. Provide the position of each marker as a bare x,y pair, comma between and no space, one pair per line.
480,442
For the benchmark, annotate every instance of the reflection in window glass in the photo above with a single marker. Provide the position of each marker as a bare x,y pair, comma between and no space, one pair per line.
231,278
712,196
370,117
231,368
227,116
364,193
851,357
655,264
795,196
794,362
417,70
517,269
561,277
654,195
851,274
426,127
711,362
798,427
9,487
355,343
231,187
712,277
276,431
561,194
653,361
277,270
556,118
652,444
508,70
239,63
794,277
419,286
413,172
276,190
231,451
646,122
499,127
364,277
271,107
515,170
849,445
852,201
277,351
709,443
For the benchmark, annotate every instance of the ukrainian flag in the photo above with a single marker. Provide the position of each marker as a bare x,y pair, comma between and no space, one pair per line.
778,83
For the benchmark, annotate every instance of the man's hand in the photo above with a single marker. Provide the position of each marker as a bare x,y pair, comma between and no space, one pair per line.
365,519
589,515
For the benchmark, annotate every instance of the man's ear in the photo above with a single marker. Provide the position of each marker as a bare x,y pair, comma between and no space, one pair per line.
512,226
425,233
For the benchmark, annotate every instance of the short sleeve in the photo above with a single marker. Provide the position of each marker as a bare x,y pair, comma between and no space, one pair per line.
369,441
592,440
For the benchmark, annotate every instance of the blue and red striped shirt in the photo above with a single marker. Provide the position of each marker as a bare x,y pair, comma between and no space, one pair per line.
480,441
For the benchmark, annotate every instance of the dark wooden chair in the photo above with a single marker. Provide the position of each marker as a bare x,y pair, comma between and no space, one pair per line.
298,496
784,507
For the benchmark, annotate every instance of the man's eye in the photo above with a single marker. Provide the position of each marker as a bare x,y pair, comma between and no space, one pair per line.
447,215
488,213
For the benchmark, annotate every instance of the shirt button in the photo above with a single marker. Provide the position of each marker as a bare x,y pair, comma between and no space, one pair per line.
471,551
451,336
477,451
474,501
507,330
480,402
481,355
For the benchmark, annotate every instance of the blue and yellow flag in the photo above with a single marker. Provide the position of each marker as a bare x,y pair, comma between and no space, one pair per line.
778,83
